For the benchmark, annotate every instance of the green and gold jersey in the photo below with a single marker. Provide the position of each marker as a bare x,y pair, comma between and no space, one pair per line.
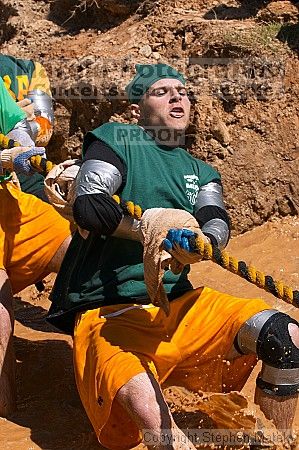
10,115
23,75
17,78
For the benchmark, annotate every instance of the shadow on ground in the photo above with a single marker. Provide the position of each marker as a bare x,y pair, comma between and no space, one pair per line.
289,34
48,403
76,15
7,31
244,11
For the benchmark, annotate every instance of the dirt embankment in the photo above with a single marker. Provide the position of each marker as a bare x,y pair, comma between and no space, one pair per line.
241,59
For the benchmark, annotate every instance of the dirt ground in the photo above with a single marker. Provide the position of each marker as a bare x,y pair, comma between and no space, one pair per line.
50,415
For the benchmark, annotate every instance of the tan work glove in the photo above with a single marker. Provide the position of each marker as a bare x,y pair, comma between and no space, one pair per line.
154,226
60,186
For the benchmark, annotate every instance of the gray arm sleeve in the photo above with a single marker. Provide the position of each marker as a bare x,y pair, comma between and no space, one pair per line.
97,177
100,177
43,104
22,133
211,213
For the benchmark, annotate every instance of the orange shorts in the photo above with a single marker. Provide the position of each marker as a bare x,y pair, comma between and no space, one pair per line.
31,232
112,344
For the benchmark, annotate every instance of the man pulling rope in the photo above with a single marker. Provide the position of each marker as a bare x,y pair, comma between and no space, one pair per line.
33,239
125,348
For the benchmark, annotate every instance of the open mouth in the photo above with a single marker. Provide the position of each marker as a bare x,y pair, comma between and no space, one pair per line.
177,112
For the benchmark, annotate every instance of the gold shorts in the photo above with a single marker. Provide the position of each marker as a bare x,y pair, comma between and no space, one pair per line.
112,344
31,232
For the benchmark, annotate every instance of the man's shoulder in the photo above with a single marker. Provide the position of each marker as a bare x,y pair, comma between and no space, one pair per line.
197,159
8,62
115,126
203,166
188,155
114,131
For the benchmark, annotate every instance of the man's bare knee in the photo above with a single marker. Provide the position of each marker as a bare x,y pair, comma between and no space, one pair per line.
294,333
274,337
6,296
143,400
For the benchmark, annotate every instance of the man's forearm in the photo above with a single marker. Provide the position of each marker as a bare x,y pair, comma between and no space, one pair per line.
129,228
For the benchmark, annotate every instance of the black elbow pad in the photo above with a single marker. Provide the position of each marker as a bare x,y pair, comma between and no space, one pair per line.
97,212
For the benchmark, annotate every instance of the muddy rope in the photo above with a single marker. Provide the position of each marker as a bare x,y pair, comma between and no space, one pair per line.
6,142
41,164
221,257
206,250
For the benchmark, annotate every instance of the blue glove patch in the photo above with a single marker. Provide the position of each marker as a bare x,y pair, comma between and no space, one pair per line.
21,162
182,237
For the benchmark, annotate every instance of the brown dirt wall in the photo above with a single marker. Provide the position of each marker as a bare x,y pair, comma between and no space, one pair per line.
241,60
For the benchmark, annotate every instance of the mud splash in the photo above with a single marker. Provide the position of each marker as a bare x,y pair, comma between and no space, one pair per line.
229,419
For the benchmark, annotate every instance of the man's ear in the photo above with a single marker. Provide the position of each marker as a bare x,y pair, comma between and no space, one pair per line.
135,111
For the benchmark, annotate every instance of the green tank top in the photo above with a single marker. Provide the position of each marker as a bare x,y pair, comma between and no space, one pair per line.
10,115
10,112
107,270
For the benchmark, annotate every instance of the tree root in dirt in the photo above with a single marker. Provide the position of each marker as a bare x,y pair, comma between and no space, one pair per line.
119,7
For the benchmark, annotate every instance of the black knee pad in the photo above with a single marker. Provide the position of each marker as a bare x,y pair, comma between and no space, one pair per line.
280,373
275,346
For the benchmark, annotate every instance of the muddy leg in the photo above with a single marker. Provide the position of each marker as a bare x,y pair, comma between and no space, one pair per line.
143,400
55,263
7,357
280,409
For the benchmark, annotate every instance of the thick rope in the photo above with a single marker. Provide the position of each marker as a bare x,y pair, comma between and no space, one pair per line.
206,250
41,164
6,142
132,210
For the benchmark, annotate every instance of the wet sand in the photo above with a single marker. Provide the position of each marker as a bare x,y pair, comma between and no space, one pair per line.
50,415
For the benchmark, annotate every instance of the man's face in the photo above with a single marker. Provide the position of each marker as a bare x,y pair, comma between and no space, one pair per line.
166,104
